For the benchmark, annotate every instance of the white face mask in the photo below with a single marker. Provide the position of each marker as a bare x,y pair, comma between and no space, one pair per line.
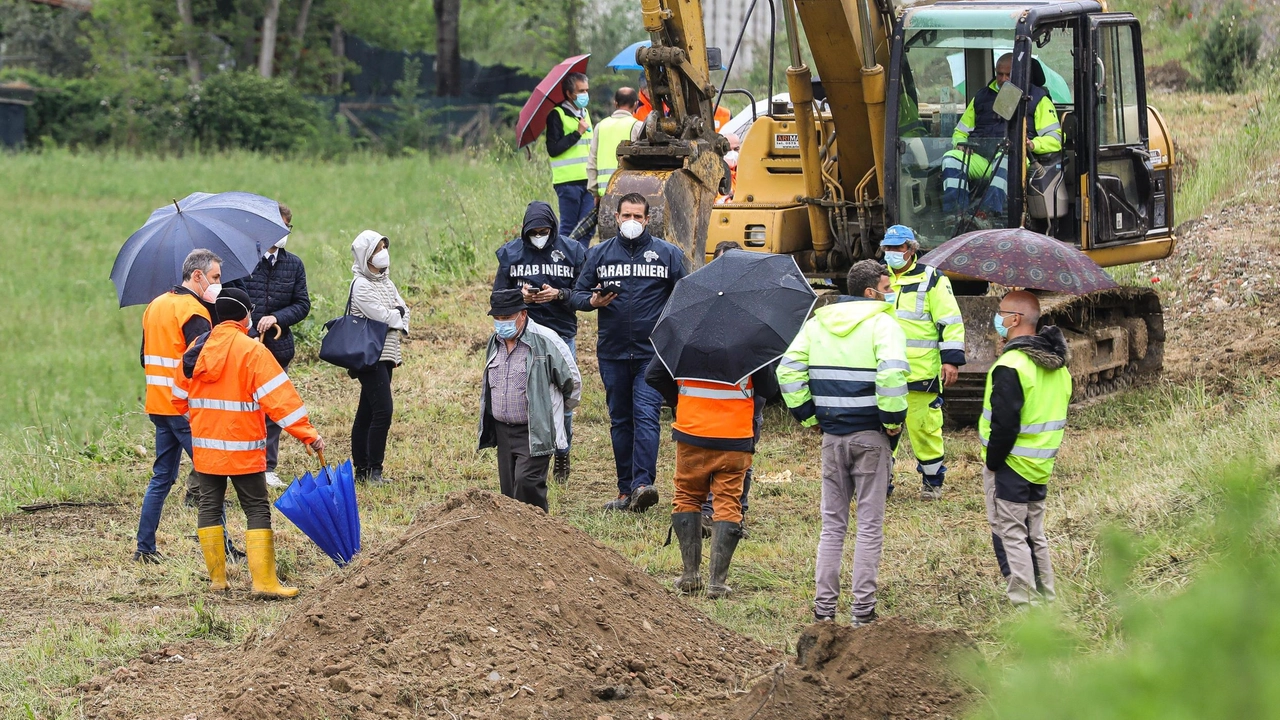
381,259
540,241
280,243
631,229
211,292
731,158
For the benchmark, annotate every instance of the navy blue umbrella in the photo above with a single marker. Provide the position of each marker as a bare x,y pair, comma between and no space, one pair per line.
237,226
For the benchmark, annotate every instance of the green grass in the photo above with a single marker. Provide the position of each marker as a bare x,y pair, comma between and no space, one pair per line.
70,355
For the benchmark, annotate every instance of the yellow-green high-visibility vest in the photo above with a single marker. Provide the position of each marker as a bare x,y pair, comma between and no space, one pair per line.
611,132
1046,395
571,165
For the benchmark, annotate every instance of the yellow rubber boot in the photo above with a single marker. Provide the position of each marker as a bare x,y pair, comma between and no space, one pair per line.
260,546
215,556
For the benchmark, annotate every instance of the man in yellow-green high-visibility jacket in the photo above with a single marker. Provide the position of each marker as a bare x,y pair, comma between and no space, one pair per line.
927,310
1024,416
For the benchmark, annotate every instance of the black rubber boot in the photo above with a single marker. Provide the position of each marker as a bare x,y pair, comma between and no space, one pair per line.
724,540
688,530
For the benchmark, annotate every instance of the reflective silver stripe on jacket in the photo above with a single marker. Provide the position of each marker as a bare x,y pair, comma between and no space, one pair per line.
229,405
952,320
908,315
793,364
838,374
961,127
293,417
895,365
270,385
179,393
791,387
885,391
1050,426
923,343
951,345
160,380
229,445
1056,127
737,394
844,402
161,361
570,161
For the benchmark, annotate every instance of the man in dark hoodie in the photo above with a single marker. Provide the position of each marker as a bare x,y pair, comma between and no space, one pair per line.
628,279
544,265
1023,419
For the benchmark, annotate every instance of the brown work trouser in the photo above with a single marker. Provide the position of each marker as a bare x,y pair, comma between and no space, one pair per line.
699,470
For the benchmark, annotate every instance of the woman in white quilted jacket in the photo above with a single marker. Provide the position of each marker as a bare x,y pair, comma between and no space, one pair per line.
375,297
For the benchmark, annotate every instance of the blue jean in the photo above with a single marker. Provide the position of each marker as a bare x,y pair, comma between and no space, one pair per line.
568,414
633,415
173,436
576,203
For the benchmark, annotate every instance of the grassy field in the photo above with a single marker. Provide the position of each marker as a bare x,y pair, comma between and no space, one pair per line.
74,605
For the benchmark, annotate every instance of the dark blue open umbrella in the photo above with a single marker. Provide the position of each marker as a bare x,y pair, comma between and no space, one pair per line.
732,316
324,509
237,226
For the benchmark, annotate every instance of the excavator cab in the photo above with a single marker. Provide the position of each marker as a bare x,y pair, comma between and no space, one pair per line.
1106,190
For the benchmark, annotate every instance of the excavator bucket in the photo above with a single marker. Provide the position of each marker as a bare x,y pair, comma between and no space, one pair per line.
680,199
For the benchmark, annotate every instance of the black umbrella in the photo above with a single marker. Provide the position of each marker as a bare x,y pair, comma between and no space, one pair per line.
237,226
732,317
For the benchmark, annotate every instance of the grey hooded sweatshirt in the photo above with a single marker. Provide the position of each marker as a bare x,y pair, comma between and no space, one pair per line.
374,296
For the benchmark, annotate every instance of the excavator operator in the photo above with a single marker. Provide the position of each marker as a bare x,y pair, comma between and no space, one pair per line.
980,153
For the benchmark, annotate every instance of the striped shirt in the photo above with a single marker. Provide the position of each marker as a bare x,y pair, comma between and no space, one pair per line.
508,378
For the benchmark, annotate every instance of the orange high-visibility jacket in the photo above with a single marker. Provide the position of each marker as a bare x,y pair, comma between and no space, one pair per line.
235,385
715,410
163,344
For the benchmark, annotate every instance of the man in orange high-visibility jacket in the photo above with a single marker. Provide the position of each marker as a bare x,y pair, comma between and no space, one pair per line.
170,323
229,384
714,430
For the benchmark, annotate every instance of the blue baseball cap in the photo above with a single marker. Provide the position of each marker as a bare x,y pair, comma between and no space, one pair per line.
897,235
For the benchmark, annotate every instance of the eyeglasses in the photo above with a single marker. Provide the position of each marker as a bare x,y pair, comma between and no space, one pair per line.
1009,312
290,226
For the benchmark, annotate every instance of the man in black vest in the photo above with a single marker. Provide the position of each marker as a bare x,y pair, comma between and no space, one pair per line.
980,152
278,289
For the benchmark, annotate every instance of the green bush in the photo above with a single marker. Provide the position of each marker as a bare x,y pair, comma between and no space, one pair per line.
1229,49
1211,651
247,111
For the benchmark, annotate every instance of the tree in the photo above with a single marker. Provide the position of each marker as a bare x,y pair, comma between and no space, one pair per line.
448,53
189,36
267,55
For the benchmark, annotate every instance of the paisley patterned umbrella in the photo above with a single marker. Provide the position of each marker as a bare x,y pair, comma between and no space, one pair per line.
1017,257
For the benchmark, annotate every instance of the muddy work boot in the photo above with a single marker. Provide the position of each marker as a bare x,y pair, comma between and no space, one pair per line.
643,498
724,540
560,473
212,544
861,620
688,530
261,547
622,502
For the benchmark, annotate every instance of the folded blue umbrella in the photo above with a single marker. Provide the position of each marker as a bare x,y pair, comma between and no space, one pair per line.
324,509
626,60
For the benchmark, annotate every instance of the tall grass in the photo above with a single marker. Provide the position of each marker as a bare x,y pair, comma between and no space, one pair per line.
70,356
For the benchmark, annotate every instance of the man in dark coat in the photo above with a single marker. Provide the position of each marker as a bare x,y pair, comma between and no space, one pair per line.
544,265
278,289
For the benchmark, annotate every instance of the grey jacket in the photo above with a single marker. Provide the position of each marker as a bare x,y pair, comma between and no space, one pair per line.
554,387
374,296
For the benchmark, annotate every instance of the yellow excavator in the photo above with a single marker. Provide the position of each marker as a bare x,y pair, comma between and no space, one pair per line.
821,175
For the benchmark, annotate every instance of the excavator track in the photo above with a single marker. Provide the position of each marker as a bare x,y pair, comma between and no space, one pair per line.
1115,340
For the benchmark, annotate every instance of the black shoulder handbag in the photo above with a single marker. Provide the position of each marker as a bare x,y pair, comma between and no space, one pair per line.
353,342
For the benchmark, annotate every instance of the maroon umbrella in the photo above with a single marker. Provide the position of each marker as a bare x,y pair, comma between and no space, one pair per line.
533,116
1017,257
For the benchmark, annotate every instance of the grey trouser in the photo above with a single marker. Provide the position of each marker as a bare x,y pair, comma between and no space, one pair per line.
855,467
1019,528
520,475
252,491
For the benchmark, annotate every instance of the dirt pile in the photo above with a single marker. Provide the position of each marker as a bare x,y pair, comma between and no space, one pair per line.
484,608
888,669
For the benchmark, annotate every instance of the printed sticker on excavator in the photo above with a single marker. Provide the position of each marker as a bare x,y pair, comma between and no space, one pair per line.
786,141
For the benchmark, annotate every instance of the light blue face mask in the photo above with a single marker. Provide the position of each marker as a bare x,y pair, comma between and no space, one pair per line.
895,260
891,298
581,100
1001,330
505,329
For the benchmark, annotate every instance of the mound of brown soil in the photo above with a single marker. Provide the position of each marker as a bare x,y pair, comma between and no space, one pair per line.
484,608
888,669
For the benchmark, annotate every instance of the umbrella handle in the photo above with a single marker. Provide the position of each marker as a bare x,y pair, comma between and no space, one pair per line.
263,338
318,453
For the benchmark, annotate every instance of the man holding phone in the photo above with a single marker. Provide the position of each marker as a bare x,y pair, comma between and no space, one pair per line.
627,279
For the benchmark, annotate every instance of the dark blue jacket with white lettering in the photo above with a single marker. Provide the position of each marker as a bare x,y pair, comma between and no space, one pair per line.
648,268
557,265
